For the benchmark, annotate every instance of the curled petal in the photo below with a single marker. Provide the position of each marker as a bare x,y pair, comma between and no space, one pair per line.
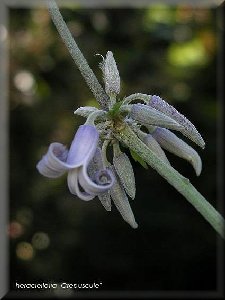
169,141
75,189
125,172
83,146
155,147
121,201
57,160
53,163
105,181
97,164
91,176
147,115
188,130
103,177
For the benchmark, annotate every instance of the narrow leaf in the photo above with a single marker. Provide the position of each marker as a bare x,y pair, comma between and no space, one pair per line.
125,172
137,158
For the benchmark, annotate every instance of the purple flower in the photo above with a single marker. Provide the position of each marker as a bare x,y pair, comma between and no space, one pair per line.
58,160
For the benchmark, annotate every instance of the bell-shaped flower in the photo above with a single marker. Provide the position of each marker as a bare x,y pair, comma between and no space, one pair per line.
58,160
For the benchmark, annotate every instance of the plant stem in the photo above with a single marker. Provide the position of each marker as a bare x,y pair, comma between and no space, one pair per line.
144,97
181,183
77,55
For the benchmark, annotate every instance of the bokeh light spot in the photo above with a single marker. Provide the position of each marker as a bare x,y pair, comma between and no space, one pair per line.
24,81
181,91
15,229
158,14
75,28
25,251
40,240
188,54
100,21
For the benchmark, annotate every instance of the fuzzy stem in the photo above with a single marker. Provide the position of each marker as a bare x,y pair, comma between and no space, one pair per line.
112,100
137,96
77,55
181,183
93,116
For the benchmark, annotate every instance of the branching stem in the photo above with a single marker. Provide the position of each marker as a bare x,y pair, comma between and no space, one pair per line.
181,183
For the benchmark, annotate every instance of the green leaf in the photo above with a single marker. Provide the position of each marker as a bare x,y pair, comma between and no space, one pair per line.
137,158
115,109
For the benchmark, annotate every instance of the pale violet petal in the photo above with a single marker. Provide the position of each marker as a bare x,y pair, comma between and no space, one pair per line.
57,160
169,141
97,164
104,182
83,146
53,163
72,180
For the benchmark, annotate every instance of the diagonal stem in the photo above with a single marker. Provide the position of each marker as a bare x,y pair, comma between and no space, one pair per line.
136,96
181,183
77,55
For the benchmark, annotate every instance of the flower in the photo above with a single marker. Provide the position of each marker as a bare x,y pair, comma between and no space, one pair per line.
122,122
90,170
58,160
150,120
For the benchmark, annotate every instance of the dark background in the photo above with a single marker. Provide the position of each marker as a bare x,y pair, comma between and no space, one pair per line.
55,237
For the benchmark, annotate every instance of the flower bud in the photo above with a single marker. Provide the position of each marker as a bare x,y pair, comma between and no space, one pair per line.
188,129
169,141
125,172
121,201
155,147
147,115
110,75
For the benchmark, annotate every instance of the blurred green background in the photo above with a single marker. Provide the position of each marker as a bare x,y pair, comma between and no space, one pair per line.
54,237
